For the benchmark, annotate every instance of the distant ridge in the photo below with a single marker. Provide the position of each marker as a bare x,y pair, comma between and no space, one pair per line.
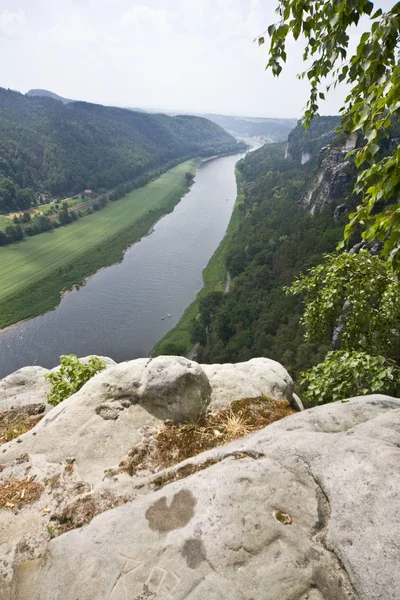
38,92
58,148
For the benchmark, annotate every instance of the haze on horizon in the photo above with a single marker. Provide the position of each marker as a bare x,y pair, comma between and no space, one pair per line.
178,55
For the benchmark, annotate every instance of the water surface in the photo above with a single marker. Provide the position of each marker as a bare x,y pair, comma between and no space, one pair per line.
122,310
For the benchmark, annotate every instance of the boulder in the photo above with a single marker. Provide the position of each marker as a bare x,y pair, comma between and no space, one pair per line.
99,424
174,388
26,386
256,377
305,508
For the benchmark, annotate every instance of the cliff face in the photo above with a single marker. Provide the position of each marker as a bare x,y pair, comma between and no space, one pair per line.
330,181
324,152
91,508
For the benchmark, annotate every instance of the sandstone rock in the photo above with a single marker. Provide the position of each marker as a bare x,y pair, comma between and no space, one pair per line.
174,388
26,386
100,424
256,377
296,402
305,508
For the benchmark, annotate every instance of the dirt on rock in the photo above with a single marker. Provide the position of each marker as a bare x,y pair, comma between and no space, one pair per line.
19,420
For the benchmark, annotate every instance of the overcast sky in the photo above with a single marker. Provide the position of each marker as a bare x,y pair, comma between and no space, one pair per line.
192,55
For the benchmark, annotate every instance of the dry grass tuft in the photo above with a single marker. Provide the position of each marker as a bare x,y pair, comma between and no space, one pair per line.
17,421
176,443
18,493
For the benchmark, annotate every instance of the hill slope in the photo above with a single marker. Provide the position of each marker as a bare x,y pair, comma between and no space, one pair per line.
47,146
47,93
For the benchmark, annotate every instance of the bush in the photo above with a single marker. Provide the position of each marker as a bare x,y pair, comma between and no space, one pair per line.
346,374
71,376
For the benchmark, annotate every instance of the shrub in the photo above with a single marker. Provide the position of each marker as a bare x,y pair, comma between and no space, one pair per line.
344,374
71,376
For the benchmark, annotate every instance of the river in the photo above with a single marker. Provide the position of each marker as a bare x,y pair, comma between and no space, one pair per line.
122,311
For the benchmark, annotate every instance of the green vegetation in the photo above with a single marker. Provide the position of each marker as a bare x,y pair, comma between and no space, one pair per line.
178,341
359,295
275,239
372,74
71,376
363,313
49,147
33,272
344,374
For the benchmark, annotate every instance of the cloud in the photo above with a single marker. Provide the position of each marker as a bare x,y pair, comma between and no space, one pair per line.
10,21
194,55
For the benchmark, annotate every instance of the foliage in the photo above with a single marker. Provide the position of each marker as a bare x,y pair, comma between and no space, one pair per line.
71,376
358,292
275,239
373,73
321,131
344,374
46,146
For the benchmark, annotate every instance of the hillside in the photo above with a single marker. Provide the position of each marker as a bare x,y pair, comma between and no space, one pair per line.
287,216
46,93
49,147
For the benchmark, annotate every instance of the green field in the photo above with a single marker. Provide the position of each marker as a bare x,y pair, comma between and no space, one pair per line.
34,272
178,340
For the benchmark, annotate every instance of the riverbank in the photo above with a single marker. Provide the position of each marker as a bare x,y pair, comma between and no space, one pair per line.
215,276
34,272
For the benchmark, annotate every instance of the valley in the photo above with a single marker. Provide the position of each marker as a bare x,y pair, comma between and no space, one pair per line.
35,271
122,310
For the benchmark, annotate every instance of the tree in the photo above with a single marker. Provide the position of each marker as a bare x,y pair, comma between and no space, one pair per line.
373,74
359,295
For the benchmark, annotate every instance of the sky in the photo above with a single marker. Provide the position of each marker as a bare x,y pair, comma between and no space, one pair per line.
181,55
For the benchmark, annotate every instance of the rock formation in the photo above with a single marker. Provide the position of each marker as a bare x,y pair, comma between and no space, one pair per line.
304,508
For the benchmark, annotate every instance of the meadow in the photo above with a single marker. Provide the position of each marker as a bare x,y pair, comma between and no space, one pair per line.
34,271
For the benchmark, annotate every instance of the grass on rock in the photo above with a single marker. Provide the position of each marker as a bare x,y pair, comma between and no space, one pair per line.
15,494
175,443
19,420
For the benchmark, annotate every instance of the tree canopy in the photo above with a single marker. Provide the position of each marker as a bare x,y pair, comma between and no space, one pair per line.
372,72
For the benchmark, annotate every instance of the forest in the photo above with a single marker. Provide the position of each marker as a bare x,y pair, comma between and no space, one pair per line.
277,240
57,149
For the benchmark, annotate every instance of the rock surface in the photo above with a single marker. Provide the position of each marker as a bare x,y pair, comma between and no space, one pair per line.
256,377
26,386
99,424
305,508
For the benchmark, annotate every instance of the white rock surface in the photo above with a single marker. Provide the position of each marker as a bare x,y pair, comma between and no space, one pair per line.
99,424
174,388
26,386
305,508
256,377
